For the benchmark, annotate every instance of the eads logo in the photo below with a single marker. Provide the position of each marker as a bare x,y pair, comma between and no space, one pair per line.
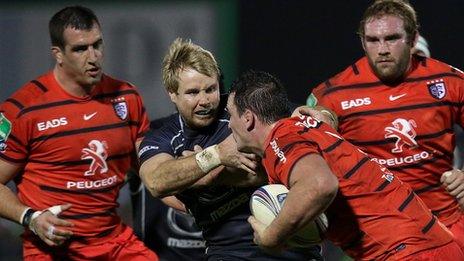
403,131
97,152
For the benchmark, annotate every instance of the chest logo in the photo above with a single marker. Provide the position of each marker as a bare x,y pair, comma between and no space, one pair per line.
41,126
437,88
394,98
97,153
355,103
89,116
403,131
120,107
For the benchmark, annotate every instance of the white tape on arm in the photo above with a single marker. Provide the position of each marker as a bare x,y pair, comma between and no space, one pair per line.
208,159
332,117
56,210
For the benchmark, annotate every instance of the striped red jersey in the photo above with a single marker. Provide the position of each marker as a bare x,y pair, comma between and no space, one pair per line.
374,216
74,150
407,127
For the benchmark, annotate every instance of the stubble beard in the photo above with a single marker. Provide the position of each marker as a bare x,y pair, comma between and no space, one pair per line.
394,73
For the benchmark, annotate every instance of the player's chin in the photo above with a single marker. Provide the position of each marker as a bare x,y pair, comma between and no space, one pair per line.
202,122
93,81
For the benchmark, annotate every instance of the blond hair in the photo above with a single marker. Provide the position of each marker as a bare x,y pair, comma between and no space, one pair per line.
183,54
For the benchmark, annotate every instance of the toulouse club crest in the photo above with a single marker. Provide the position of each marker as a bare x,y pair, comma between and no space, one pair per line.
121,109
437,88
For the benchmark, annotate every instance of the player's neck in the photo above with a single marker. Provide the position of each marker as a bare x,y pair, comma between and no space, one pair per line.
261,136
71,86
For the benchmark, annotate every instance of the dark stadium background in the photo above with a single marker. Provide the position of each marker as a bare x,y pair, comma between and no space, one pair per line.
302,42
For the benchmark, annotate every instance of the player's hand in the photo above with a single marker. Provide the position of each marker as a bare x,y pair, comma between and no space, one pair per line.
453,181
50,228
258,229
318,113
231,157
196,149
261,239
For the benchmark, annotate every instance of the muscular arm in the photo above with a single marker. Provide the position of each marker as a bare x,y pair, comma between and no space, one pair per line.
10,206
163,175
312,189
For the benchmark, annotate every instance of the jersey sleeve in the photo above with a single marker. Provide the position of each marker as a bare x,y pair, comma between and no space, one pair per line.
13,135
142,119
319,97
288,149
155,142
297,151
460,97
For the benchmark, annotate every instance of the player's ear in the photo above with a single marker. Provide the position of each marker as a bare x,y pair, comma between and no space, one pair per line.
173,96
414,39
250,120
361,38
57,54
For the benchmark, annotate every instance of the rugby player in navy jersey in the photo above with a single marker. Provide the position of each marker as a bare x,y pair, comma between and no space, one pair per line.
194,157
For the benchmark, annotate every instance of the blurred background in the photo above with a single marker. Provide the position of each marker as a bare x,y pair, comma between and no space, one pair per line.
301,42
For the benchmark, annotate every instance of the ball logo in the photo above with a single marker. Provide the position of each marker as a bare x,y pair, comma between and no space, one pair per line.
97,152
403,131
281,198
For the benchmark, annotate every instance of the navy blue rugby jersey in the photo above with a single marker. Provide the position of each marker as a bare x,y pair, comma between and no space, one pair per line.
220,211
172,234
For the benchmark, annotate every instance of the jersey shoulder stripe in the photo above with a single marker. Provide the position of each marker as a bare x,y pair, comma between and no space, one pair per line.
85,130
364,78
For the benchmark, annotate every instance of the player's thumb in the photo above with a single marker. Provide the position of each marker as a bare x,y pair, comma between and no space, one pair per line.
253,222
197,148
65,207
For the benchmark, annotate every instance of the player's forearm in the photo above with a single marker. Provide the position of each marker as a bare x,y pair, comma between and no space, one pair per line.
302,205
10,206
309,196
172,176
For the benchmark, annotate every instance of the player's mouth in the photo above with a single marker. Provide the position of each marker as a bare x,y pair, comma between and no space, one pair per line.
385,61
94,72
204,113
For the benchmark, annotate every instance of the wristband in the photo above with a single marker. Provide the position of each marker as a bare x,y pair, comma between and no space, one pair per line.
26,217
208,159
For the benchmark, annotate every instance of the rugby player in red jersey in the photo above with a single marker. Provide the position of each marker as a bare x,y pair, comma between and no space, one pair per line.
68,138
372,214
400,108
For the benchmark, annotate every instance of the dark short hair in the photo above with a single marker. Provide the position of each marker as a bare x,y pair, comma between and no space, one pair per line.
263,94
76,17
398,8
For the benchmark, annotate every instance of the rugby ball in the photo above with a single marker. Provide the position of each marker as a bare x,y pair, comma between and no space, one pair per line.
266,203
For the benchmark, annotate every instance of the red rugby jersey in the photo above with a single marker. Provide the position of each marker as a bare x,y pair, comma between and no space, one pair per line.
374,216
74,150
407,127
